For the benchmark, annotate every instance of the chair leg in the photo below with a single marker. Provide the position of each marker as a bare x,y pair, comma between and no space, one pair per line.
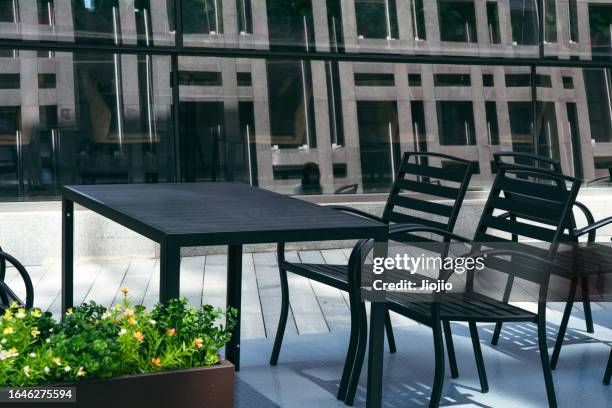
282,321
482,374
608,373
359,356
548,379
436,391
563,327
498,326
586,302
496,333
350,354
390,336
450,348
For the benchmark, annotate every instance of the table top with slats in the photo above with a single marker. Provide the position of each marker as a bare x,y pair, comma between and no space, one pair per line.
219,214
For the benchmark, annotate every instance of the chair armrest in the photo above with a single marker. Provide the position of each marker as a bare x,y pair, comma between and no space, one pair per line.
589,218
356,212
403,228
495,252
24,275
592,227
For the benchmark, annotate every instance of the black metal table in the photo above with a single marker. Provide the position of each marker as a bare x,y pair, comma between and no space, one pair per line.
201,214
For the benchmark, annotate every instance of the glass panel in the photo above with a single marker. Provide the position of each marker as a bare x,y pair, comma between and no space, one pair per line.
574,123
290,24
493,22
291,105
202,17
335,25
457,21
245,17
524,20
143,22
376,19
600,28
378,140
98,118
418,19
456,123
550,21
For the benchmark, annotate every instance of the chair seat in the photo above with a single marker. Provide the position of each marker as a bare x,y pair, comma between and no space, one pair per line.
332,275
591,260
458,307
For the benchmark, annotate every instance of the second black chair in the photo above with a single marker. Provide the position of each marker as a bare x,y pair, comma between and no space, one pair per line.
415,175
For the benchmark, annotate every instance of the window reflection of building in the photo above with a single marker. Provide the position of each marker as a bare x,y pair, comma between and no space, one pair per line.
290,24
376,19
291,105
202,17
457,21
378,142
523,15
113,113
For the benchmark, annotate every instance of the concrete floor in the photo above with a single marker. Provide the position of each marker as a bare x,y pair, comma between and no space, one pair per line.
310,366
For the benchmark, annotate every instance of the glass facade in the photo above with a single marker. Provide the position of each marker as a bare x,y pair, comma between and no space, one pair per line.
296,96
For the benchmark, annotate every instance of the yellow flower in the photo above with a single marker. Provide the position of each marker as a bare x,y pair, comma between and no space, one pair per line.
12,352
8,315
9,330
21,313
69,311
35,332
139,337
125,291
57,361
81,372
118,306
132,321
36,313
156,362
128,312
198,342
14,305
171,332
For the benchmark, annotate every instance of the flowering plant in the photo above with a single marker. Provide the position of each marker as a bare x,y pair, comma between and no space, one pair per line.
94,342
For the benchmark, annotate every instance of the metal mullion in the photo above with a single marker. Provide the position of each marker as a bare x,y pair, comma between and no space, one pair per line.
176,113
541,30
297,55
534,108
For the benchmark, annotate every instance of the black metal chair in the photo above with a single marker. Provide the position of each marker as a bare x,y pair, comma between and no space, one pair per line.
550,206
532,160
7,295
412,177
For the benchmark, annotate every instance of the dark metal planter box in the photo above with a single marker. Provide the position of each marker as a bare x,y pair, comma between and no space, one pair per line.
202,387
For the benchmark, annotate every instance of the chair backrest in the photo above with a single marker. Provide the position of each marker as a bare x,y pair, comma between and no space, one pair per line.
527,159
541,162
541,202
416,175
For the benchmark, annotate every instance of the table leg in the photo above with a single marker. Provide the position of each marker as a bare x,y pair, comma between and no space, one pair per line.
67,254
234,296
376,354
169,271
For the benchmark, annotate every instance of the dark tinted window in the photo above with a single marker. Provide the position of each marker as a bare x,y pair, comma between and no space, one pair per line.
374,79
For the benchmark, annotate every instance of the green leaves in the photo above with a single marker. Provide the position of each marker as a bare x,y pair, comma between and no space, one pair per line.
95,342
